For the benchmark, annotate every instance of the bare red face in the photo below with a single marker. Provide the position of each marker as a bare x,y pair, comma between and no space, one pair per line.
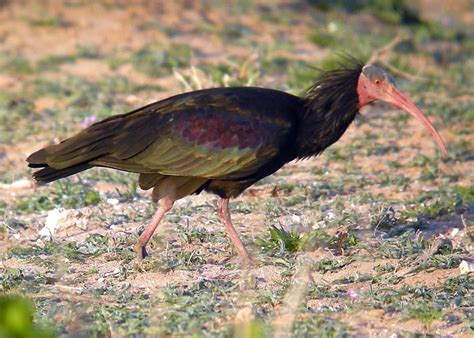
375,84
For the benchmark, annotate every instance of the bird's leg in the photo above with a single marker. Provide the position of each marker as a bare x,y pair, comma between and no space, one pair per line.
224,215
165,204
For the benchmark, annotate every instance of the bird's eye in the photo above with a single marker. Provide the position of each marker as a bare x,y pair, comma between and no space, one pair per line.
377,81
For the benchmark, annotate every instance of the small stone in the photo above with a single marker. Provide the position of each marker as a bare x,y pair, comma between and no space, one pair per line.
60,219
113,201
332,27
453,232
22,183
52,223
466,267
115,272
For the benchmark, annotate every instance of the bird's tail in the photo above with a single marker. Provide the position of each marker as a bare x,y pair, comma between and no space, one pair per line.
111,143
48,174
74,154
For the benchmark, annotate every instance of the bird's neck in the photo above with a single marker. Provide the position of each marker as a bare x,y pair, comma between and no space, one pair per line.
331,105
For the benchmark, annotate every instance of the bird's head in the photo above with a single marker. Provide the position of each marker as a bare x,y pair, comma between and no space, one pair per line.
375,84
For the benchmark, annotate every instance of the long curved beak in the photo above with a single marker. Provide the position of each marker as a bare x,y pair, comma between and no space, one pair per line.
397,98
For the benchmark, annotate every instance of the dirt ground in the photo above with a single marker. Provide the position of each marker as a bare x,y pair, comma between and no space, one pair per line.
382,223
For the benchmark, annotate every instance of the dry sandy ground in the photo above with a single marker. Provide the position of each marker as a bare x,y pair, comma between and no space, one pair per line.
120,29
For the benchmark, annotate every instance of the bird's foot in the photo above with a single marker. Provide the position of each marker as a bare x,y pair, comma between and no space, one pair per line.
140,251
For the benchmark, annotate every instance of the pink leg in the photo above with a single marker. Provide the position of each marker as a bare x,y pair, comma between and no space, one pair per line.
165,204
224,215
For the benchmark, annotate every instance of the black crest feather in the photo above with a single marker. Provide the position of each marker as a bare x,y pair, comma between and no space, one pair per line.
331,104
335,86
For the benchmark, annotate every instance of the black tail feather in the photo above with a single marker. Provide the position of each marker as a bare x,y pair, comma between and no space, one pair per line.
49,174
37,165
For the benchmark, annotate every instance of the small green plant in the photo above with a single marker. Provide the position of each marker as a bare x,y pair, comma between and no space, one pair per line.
316,238
425,313
317,326
54,62
16,319
408,244
329,265
466,195
282,240
322,39
44,19
17,65
11,278
68,196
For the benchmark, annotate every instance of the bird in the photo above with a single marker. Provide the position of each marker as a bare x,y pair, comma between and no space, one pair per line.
223,140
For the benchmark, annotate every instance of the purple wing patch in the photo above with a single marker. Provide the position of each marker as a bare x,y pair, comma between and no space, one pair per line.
220,130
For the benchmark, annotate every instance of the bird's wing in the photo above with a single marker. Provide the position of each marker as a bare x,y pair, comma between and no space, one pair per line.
202,135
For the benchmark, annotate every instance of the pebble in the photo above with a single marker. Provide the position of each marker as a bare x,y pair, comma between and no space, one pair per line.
59,218
453,232
22,183
466,267
113,201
